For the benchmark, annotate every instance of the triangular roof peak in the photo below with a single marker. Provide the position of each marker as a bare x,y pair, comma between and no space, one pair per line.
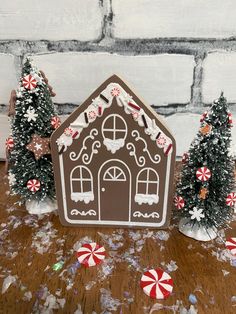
102,99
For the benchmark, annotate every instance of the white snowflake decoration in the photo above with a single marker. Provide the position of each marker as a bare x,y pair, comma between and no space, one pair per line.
30,114
11,178
196,213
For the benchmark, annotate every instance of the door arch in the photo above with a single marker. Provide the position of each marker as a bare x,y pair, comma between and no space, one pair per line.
114,180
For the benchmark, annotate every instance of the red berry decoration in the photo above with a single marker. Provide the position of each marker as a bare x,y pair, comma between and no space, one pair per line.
179,202
203,117
231,245
33,185
156,283
203,174
55,122
9,143
185,158
91,254
29,82
231,199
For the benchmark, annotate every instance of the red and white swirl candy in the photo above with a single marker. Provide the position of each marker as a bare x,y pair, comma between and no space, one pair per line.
156,283
203,174
185,158
91,254
179,202
231,245
29,82
55,122
33,185
9,143
230,118
231,199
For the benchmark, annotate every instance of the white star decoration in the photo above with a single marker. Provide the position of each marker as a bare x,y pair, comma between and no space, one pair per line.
196,213
30,114
38,146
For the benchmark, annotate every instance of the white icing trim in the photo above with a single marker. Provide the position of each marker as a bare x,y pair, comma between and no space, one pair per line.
113,145
86,158
114,177
146,215
85,197
122,100
157,157
139,161
99,186
90,212
146,199
92,134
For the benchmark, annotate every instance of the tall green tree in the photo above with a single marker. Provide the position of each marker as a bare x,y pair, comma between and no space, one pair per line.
31,174
207,178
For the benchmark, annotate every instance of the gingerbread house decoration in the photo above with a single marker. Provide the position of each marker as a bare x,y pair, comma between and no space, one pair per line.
114,162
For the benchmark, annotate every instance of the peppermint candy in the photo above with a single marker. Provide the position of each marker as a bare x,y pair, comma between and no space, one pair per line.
231,245
156,283
9,143
231,199
68,132
55,122
115,92
92,115
29,82
33,185
203,174
91,254
161,141
179,202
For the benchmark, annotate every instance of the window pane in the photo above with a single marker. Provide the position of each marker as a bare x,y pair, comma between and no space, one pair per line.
76,187
152,175
87,186
152,188
143,175
141,188
76,173
85,173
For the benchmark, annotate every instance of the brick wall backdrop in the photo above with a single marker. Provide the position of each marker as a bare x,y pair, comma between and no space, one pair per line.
178,55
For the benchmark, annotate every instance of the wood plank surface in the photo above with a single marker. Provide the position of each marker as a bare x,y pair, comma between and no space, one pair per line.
112,287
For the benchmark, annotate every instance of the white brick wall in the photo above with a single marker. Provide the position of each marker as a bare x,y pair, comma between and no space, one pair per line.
172,18
156,78
219,75
50,19
7,77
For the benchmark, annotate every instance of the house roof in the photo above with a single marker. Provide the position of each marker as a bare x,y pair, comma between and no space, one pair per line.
100,101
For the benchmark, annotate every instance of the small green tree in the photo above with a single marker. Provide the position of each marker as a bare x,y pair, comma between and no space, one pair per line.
207,177
31,174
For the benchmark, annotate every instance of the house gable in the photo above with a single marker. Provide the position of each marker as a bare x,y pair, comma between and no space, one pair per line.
114,128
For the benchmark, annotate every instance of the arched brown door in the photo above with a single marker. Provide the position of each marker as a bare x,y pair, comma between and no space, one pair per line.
114,191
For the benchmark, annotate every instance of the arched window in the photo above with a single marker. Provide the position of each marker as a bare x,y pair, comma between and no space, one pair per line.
147,187
81,183
114,174
114,131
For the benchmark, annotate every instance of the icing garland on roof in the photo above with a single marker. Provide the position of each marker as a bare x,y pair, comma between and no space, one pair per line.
104,101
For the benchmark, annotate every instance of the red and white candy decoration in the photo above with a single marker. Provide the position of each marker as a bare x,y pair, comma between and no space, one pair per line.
231,245
9,143
33,185
203,174
115,92
156,283
230,119
161,141
91,254
179,202
185,158
231,199
29,82
68,132
204,115
55,122
92,115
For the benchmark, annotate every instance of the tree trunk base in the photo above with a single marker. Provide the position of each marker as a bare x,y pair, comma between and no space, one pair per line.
43,207
197,232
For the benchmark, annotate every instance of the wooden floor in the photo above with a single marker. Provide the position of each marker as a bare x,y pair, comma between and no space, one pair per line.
114,286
